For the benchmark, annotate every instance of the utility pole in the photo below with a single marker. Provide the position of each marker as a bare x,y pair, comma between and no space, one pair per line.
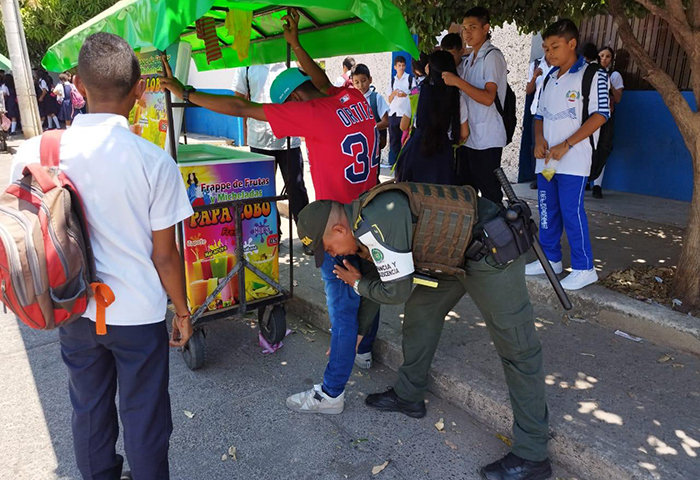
21,68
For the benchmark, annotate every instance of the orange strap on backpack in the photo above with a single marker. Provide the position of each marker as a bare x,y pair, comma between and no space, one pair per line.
104,296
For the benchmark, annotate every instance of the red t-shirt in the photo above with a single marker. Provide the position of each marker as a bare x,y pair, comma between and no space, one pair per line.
341,135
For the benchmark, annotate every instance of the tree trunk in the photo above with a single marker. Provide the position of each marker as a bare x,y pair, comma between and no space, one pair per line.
686,285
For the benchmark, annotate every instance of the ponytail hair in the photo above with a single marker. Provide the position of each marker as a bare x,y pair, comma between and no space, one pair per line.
444,113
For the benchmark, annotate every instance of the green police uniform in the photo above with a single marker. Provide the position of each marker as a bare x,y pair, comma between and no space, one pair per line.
384,234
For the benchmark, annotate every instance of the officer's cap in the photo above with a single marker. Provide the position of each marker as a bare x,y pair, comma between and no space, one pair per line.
311,226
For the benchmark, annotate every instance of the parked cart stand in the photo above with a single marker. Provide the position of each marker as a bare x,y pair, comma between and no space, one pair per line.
218,284
271,311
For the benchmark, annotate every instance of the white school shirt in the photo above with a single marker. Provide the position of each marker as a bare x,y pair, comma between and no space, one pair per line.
560,109
546,67
398,103
129,187
340,81
382,106
616,81
486,129
260,78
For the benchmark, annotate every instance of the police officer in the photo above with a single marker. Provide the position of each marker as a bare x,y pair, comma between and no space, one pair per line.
413,233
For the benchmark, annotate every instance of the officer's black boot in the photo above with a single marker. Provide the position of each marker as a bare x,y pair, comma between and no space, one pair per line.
390,402
512,467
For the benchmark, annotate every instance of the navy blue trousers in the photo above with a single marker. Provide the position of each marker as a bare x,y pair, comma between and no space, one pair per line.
136,360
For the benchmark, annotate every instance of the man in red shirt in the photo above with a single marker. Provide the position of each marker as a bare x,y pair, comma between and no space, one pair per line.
341,136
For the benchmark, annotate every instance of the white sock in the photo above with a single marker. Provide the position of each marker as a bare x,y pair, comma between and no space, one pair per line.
55,120
13,129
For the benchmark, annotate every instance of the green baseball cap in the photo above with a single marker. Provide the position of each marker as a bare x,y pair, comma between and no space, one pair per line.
312,224
286,82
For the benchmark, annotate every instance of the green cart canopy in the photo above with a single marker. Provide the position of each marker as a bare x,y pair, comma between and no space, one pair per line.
327,28
5,63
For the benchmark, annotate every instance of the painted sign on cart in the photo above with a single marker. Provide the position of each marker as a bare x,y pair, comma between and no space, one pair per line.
210,236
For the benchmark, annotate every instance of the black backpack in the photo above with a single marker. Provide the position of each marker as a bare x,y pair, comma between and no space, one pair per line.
507,111
586,83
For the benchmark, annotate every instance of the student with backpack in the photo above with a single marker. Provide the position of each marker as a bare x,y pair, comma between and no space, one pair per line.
362,80
64,89
537,72
491,105
573,105
397,94
133,197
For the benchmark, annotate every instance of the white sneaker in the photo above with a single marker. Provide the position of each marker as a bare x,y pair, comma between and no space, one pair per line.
316,401
535,268
364,360
578,279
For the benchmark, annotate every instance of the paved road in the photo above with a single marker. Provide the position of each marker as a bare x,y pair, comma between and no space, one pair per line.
238,400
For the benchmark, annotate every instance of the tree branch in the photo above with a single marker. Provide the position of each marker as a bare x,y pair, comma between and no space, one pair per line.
674,15
660,80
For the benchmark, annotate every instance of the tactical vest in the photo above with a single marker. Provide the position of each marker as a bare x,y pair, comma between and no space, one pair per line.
443,219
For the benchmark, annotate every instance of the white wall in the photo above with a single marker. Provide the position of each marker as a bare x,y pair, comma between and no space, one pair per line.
220,79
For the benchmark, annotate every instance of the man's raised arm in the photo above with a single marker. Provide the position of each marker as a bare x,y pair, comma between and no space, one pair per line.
306,63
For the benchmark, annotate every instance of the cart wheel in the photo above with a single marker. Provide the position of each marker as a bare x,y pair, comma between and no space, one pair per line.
273,323
195,352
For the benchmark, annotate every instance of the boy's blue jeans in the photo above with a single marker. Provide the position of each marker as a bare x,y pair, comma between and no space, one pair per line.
343,306
561,206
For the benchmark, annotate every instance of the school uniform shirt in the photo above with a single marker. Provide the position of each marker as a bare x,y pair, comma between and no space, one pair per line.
397,104
256,81
560,109
340,81
616,81
486,129
341,136
130,188
546,67
382,106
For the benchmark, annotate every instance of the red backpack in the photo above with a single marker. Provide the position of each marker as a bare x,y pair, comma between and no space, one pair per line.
47,267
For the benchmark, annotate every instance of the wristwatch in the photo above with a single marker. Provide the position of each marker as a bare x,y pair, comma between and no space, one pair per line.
356,285
186,92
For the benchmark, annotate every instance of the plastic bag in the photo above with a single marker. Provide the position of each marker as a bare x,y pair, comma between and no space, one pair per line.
550,169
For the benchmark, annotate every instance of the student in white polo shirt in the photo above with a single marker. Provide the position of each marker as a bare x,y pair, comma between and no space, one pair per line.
564,133
397,94
134,196
486,78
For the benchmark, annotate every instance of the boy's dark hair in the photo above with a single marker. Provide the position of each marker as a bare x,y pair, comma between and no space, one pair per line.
108,66
451,41
479,13
360,69
400,59
418,66
590,52
349,62
563,28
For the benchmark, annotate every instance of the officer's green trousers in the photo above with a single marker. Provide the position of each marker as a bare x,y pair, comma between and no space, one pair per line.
501,295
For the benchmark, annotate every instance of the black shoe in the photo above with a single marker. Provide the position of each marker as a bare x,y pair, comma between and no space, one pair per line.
307,250
597,192
126,475
390,402
533,185
512,467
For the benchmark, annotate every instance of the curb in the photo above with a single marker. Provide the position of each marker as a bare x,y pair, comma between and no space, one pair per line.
481,397
653,323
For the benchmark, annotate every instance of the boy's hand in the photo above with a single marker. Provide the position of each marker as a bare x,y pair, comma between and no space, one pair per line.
291,27
401,94
168,81
557,152
450,79
182,330
537,72
541,147
348,274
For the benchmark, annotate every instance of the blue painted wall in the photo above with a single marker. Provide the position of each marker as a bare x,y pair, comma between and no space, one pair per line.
649,156
206,122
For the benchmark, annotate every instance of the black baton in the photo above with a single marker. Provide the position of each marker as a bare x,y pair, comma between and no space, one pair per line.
551,276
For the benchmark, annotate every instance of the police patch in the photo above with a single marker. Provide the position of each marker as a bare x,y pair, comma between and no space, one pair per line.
377,255
306,241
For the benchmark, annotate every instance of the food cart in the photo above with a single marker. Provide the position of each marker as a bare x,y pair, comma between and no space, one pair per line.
234,274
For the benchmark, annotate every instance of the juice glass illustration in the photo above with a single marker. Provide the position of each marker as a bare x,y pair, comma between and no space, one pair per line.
198,292
202,269
226,293
212,283
219,266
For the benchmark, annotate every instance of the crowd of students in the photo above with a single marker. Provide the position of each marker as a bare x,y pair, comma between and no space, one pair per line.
59,103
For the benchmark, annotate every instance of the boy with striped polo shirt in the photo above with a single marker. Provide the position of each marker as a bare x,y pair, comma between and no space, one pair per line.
573,105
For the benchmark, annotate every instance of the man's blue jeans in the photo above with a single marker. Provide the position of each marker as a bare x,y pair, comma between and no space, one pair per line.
343,306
